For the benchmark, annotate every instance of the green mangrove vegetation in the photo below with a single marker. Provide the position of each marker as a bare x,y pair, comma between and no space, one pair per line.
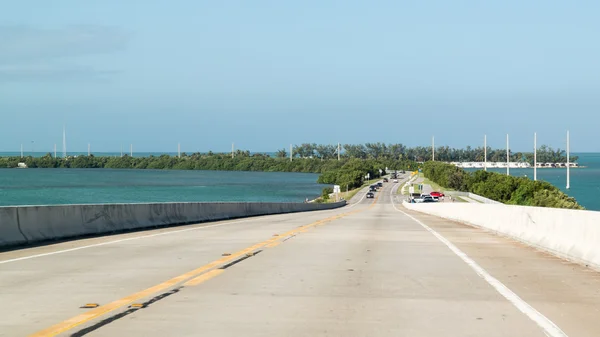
348,167
506,189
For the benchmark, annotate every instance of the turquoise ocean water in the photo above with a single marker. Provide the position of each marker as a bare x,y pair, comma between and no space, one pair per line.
86,186
65,186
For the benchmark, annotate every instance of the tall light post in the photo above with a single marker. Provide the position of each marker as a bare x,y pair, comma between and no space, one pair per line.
535,156
507,157
485,152
568,162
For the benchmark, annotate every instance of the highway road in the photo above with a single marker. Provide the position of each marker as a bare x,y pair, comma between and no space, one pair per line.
368,269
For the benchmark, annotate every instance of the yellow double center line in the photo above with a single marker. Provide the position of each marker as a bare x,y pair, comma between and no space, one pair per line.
193,277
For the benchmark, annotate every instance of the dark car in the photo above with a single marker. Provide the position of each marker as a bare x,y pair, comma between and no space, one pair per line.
372,189
428,198
370,195
385,180
380,184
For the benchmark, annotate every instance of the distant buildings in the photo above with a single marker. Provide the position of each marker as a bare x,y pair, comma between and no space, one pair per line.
511,165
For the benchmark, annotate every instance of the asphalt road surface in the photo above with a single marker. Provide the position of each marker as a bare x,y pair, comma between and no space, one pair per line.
368,269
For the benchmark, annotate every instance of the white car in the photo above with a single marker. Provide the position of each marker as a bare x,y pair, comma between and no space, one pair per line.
395,180
425,198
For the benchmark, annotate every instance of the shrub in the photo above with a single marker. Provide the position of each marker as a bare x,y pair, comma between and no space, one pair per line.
499,187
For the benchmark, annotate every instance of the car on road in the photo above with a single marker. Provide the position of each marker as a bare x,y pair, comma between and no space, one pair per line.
385,180
370,195
372,189
429,198
380,184
425,198
395,180
437,194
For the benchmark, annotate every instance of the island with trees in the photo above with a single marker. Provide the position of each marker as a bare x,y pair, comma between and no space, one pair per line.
347,168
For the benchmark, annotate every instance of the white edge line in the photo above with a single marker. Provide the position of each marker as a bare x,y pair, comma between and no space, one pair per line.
359,200
147,236
550,329
117,241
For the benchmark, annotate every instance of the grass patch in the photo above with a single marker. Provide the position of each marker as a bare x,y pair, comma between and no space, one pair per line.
404,189
433,185
350,194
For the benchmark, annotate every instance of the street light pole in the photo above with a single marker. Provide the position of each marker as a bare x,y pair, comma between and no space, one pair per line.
485,152
568,162
535,156
507,157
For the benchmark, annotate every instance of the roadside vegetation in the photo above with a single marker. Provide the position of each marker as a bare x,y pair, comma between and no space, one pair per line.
349,168
348,172
499,187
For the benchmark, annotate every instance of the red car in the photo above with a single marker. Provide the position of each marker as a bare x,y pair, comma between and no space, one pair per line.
437,194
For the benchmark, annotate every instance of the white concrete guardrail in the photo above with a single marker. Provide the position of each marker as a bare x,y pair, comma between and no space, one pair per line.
571,234
473,196
30,224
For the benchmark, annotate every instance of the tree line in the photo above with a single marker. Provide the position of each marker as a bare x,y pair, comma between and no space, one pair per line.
348,172
506,189
545,154
377,151
240,161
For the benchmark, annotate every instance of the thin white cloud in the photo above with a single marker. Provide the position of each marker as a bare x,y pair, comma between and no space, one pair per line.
51,72
23,43
29,53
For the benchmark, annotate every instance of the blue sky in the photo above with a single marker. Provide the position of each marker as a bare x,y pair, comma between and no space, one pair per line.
264,74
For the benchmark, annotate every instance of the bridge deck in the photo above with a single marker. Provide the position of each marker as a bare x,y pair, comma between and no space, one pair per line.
372,269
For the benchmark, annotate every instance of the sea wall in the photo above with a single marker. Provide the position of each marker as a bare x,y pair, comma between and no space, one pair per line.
31,224
572,234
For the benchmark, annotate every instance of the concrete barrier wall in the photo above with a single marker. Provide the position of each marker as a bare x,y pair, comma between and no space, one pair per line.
572,234
30,224
9,228
473,196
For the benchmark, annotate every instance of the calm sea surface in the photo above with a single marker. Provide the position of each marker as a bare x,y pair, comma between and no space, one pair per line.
67,186
86,186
